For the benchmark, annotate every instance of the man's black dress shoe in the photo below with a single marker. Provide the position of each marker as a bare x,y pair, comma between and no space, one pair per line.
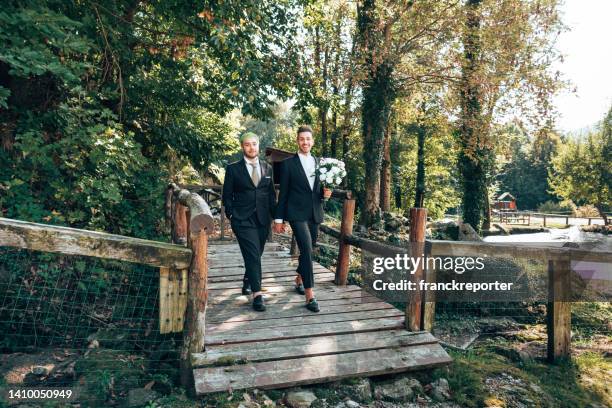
258,304
246,288
300,289
312,305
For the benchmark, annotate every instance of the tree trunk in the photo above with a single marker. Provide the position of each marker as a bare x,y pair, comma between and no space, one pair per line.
601,211
323,121
385,172
378,97
420,176
471,156
333,146
486,223
398,197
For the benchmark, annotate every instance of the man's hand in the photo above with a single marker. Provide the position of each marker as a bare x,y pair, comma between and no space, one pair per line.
327,193
279,227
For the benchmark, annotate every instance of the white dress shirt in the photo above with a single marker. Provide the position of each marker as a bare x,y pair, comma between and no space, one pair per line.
309,165
250,168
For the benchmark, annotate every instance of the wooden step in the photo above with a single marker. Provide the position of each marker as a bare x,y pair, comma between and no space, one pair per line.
237,271
242,304
276,311
308,347
310,320
287,294
267,273
272,280
289,332
317,369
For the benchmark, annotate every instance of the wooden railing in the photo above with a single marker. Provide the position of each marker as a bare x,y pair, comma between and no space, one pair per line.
529,217
420,310
190,221
182,265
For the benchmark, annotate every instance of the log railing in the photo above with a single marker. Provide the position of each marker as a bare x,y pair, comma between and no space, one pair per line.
182,265
420,310
191,222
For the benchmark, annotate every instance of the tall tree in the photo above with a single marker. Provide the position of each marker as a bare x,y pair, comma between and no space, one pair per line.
324,84
505,54
474,152
102,100
399,47
582,170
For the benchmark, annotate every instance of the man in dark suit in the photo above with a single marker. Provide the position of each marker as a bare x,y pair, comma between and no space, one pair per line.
249,199
300,201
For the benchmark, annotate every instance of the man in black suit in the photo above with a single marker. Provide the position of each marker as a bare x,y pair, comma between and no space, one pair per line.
249,198
300,201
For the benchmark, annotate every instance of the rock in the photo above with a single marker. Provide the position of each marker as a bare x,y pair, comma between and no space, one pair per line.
518,356
440,391
111,338
351,404
467,233
416,386
300,399
399,390
40,370
360,229
138,397
247,401
361,391
267,402
394,222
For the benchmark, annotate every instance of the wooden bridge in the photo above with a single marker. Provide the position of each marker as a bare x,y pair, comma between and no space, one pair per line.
355,334
228,346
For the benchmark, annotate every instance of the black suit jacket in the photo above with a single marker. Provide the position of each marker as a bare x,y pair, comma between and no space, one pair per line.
296,201
240,196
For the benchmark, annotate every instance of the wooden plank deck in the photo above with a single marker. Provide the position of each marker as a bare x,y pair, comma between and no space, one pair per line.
354,334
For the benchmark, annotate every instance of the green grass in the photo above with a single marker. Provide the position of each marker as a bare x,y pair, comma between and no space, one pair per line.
582,381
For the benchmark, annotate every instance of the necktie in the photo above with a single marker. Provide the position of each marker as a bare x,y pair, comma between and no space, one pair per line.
254,174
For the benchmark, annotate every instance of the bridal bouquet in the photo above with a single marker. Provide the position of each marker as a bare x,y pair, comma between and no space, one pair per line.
330,172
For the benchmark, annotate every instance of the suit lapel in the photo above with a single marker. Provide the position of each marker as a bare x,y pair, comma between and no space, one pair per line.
298,163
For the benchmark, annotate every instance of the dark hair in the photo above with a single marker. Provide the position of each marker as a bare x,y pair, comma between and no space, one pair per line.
304,128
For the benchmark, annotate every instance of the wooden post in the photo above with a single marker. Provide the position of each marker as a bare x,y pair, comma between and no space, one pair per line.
180,224
195,319
589,221
414,309
198,223
544,215
558,312
566,220
164,297
222,223
429,304
344,254
429,301
168,207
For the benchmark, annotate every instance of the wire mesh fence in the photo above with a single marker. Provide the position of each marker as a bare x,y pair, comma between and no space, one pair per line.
463,320
87,324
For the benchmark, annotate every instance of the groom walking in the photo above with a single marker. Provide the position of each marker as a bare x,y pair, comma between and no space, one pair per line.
300,201
249,197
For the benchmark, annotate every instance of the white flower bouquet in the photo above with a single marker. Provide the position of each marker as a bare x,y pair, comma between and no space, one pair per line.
330,172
